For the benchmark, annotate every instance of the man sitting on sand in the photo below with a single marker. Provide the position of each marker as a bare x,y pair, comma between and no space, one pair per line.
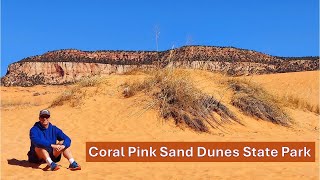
48,142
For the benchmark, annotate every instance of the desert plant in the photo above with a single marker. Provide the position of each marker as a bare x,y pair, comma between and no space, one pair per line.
177,98
89,81
297,102
255,101
75,94
13,103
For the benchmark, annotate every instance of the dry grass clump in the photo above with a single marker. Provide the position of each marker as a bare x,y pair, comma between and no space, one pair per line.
78,92
176,97
137,71
255,101
89,81
296,102
72,96
11,103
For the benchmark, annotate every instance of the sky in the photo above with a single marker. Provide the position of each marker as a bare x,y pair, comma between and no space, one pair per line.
275,27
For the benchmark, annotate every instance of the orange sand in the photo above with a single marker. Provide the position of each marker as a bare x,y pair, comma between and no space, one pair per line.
107,116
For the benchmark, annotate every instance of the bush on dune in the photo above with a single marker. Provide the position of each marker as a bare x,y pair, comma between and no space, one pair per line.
177,98
74,95
299,103
255,101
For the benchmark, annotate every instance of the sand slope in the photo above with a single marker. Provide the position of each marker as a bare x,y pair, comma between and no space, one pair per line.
107,116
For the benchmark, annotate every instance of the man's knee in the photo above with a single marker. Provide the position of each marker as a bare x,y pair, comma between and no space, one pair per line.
40,149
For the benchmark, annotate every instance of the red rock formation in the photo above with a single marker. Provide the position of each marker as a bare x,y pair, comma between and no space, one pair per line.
67,66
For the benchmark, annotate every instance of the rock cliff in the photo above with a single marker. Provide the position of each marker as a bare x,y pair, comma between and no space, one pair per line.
67,66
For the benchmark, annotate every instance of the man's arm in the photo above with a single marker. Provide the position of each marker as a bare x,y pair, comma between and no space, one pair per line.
61,136
37,141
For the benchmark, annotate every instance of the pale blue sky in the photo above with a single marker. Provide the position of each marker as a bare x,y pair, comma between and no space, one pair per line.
281,28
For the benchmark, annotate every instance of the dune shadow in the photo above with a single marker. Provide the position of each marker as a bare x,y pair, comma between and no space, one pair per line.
23,163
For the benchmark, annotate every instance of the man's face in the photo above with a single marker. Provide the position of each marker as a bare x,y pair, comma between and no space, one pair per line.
44,120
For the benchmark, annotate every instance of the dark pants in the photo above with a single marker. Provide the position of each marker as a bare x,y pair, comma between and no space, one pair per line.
33,158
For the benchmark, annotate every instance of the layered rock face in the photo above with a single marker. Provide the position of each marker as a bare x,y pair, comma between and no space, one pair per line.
33,73
67,66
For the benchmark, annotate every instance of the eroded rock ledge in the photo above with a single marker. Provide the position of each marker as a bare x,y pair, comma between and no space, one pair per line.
67,66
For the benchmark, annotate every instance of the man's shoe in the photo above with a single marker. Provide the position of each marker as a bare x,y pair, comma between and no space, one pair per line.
74,166
54,166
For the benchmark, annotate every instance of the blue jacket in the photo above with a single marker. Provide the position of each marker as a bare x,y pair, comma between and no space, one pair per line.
43,138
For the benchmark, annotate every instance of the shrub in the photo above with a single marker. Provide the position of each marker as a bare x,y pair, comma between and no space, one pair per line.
89,81
255,101
177,98
77,93
296,102
73,96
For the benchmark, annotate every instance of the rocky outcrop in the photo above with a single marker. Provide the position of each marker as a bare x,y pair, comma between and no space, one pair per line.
67,66
32,73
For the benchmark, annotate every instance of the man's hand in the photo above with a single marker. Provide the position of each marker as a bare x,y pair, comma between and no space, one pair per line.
57,147
60,147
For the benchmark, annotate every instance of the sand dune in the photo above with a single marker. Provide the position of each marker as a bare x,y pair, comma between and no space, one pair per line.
104,115
304,85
